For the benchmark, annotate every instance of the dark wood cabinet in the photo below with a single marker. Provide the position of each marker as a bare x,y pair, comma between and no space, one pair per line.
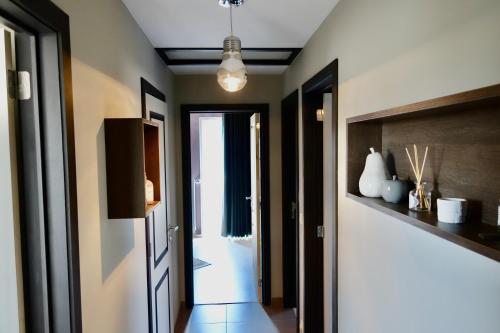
132,151
463,135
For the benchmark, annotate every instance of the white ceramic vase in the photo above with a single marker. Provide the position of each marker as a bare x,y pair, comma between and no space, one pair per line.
149,189
370,183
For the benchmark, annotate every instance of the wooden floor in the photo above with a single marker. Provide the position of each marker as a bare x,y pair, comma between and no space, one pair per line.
237,318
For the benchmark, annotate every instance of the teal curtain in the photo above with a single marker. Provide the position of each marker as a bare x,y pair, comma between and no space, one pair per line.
237,210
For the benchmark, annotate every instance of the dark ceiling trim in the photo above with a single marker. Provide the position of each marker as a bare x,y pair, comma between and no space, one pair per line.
262,62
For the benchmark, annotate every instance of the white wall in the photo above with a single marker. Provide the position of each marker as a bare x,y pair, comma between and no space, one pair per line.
261,89
109,55
394,277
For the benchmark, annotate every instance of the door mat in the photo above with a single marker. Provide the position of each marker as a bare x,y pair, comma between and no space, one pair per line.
198,263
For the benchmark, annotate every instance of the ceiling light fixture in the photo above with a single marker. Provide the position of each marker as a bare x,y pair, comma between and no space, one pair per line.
232,73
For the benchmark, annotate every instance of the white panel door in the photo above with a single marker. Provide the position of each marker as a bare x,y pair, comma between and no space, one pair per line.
159,234
256,198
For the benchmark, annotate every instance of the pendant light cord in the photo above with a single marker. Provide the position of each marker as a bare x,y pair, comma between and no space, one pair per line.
231,17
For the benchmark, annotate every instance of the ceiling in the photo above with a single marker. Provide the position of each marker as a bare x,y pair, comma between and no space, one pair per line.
204,24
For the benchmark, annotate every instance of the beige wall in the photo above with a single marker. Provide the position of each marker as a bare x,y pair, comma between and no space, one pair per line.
109,55
203,89
394,277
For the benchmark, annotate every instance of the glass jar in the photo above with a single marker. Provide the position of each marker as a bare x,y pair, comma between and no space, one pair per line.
420,198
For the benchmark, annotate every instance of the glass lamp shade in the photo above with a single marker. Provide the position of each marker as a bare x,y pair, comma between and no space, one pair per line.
232,73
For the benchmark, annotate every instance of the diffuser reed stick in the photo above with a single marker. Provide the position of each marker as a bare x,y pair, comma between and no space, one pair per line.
420,201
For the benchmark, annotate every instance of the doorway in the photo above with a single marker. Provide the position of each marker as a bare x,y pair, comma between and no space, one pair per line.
225,166
319,109
39,172
11,302
225,268
290,199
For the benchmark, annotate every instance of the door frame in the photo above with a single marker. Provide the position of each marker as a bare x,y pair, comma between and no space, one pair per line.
48,195
186,110
147,88
324,81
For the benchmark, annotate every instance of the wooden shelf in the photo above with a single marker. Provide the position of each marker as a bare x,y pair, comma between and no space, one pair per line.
132,150
463,135
465,234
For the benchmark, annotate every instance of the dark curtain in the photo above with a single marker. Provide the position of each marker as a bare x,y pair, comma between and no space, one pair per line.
237,210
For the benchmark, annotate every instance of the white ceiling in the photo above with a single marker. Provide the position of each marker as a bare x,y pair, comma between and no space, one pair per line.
203,23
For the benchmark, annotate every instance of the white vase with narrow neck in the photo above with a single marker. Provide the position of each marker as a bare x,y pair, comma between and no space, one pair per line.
370,183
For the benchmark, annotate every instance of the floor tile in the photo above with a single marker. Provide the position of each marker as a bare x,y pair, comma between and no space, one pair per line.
208,314
246,312
286,326
252,327
206,328
230,278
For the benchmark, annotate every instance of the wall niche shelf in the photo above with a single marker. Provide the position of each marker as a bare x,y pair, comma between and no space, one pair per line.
132,149
463,135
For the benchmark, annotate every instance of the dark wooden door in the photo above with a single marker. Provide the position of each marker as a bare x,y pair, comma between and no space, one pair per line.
313,212
290,181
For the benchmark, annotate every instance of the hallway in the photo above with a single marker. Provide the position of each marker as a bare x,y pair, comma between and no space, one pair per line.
172,166
237,318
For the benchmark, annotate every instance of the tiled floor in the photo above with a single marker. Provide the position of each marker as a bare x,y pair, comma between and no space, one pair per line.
230,278
239,318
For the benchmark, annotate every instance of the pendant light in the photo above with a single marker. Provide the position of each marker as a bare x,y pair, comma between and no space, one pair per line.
232,73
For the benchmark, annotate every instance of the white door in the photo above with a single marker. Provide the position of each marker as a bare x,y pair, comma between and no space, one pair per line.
161,235
255,198
11,286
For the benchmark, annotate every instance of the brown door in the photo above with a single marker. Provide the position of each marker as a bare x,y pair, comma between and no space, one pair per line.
290,188
313,212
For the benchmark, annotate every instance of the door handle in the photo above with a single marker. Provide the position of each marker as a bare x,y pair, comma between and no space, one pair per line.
320,231
248,198
293,210
171,230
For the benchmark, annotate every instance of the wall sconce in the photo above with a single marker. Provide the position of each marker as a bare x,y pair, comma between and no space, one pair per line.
320,114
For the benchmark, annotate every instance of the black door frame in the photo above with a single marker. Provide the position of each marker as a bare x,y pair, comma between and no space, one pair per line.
186,111
289,121
48,193
290,227
324,81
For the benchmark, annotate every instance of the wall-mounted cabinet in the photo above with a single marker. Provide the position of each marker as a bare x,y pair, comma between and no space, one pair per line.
463,135
132,151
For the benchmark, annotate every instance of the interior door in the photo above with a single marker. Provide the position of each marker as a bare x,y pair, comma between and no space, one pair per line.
11,301
313,212
159,233
290,188
256,198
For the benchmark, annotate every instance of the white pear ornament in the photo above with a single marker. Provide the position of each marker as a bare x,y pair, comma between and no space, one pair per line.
370,183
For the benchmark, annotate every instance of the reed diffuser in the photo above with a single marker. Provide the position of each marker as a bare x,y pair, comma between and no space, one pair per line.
420,198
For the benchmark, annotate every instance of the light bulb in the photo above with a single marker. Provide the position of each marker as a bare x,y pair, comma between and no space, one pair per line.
232,73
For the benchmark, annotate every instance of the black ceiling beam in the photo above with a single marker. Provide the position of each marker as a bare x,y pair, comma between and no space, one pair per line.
262,62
